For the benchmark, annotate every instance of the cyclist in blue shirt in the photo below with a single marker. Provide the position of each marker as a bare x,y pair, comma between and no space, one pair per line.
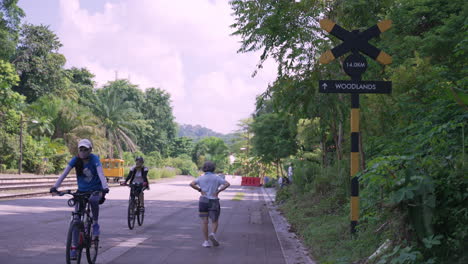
90,178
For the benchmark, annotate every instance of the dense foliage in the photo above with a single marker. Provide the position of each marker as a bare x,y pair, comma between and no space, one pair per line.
413,142
211,149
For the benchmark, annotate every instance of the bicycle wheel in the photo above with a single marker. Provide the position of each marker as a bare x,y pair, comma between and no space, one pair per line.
140,214
92,245
131,213
74,231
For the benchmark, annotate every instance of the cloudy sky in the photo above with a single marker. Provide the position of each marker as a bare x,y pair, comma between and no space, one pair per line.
181,46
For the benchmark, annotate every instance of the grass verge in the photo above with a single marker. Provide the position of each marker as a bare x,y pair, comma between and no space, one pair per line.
322,221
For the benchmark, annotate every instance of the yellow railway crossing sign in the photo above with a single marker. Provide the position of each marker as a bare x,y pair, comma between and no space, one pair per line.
354,66
355,41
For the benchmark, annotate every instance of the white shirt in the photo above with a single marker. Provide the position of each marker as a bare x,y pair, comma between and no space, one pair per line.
138,176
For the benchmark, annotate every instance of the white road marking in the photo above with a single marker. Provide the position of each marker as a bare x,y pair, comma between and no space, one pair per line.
117,251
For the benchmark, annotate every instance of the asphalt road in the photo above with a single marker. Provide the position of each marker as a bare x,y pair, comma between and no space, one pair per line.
34,230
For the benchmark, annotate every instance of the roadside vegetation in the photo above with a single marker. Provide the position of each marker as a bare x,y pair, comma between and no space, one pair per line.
413,160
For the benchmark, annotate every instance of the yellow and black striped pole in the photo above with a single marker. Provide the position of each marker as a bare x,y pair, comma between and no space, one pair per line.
354,161
355,42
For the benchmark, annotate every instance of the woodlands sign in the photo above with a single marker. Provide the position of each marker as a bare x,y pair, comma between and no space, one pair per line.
355,87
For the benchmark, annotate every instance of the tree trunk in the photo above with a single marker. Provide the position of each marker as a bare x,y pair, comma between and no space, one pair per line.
277,172
281,168
338,139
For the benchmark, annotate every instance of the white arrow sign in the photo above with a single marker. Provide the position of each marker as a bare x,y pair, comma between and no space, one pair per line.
349,86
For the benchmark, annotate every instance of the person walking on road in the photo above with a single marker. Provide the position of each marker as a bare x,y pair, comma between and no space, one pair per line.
209,185
90,178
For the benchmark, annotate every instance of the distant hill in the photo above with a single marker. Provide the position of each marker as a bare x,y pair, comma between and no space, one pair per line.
198,132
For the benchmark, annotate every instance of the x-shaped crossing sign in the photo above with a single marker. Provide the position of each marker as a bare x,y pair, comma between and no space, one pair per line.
355,41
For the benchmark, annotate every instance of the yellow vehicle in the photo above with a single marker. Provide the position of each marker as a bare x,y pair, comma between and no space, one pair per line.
113,168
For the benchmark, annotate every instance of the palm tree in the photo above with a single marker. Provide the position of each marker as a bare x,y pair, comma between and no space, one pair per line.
117,117
65,119
43,127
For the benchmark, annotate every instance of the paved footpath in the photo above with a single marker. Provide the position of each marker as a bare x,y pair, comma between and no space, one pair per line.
34,230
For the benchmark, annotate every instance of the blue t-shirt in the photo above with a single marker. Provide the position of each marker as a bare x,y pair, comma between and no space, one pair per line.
209,183
89,179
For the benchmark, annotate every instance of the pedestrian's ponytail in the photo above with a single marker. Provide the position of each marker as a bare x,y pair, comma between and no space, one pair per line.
79,166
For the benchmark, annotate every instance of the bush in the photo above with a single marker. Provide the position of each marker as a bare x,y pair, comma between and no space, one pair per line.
158,173
283,194
304,174
44,167
45,156
9,151
58,162
11,171
270,184
309,176
183,163
153,159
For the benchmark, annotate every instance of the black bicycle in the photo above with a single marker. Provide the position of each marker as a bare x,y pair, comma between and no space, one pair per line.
135,207
80,233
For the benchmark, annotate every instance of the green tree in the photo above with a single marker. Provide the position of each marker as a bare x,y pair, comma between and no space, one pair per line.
273,139
117,117
39,64
64,119
82,81
213,149
157,112
312,140
8,78
242,142
131,92
284,30
81,76
11,104
182,146
10,18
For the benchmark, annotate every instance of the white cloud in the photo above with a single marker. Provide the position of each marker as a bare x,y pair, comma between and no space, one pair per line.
183,47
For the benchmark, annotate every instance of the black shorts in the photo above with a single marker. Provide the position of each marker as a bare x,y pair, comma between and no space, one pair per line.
209,208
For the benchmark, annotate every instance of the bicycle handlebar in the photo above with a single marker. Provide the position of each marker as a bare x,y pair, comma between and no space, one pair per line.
62,193
77,196
74,194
